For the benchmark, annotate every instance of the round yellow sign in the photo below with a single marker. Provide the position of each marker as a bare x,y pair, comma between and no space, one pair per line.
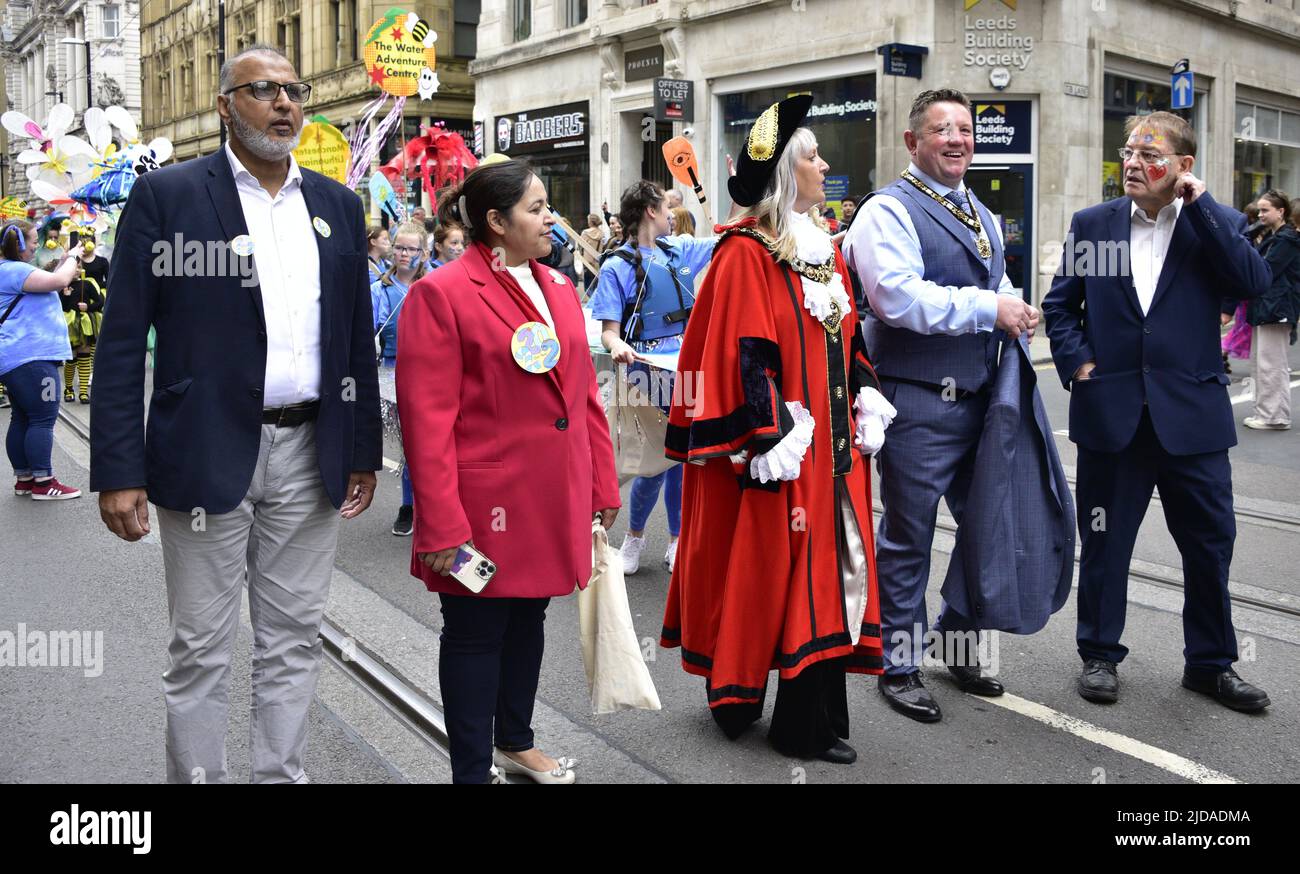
399,54
323,148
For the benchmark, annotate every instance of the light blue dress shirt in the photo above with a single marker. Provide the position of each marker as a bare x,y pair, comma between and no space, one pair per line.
883,248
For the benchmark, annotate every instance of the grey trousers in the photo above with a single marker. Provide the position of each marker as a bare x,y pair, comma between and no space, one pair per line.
1272,373
284,534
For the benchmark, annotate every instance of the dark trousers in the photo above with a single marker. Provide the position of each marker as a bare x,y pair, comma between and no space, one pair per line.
811,711
1113,492
489,660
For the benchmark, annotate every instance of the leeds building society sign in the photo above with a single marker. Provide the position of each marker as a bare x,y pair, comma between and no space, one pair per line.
998,37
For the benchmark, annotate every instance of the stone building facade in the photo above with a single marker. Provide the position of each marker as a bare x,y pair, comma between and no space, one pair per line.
1052,81
44,52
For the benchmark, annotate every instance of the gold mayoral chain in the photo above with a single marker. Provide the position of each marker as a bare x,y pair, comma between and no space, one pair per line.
816,272
970,221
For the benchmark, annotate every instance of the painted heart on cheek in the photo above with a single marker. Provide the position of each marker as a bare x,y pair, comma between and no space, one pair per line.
1156,172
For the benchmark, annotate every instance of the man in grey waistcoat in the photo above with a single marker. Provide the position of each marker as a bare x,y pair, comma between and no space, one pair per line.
930,261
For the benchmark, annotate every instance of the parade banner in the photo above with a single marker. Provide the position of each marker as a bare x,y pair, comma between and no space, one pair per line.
12,208
323,148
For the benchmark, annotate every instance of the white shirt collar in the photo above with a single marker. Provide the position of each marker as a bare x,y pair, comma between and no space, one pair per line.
938,186
1164,214
241,172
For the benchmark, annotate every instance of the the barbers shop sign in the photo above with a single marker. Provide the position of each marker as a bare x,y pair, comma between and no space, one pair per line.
543,130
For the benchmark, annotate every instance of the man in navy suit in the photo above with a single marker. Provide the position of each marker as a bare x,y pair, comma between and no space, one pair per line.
1133,320
264,426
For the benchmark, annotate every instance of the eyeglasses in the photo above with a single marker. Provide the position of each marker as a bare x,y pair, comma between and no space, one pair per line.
265,89
1148,158
406,250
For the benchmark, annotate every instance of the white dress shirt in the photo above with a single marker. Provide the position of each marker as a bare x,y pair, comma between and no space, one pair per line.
288,270
1148,244
883,247
523,274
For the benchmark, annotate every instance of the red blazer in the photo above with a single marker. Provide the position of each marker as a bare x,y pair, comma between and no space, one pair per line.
517,462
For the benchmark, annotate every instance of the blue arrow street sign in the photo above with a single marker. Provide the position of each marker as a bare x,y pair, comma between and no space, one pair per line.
1181,86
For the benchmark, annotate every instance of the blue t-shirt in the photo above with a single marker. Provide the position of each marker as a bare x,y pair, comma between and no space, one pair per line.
36,329
386,301
617,286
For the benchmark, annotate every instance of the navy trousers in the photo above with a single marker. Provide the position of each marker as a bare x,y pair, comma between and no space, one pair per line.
490,656
929,454
1113,492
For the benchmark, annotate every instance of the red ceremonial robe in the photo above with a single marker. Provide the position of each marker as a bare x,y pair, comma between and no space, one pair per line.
758,583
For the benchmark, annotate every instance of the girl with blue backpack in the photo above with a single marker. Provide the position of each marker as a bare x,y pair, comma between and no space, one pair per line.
644,295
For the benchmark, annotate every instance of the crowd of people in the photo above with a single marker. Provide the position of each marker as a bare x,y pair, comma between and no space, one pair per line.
817,343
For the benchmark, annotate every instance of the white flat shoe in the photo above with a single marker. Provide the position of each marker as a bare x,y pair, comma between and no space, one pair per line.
563,772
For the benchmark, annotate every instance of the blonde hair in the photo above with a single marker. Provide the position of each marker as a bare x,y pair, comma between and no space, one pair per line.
782,190
414,229
683,221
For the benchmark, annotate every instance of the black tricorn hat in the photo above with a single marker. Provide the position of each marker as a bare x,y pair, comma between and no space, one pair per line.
764,146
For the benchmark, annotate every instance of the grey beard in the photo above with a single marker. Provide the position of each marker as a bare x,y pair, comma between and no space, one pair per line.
260,143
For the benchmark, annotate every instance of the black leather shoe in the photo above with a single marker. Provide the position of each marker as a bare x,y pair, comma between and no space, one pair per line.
1099,681
1227,688
908,695
972,681
840,754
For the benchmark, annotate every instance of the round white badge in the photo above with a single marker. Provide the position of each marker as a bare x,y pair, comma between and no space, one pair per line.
242,245
322,227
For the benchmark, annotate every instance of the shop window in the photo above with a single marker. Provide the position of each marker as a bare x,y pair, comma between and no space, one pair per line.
1266,153
1125,97
842,116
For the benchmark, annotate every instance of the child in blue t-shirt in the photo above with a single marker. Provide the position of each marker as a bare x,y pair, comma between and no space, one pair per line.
644,290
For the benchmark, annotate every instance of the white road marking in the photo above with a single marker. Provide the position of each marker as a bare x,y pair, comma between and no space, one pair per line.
1250,396
1172,762
390,464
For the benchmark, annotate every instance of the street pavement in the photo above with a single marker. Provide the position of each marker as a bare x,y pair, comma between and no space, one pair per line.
66,572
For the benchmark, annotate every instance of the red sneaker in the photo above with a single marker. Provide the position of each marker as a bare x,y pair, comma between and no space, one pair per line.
23,487
53,490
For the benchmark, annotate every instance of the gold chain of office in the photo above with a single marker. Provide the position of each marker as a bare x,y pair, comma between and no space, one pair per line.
971,221
821,273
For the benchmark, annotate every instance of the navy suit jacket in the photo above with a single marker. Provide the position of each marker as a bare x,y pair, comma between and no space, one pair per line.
200,445
1170,359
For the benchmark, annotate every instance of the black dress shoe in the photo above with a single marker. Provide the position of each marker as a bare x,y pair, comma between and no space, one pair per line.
1099,681
970,680
908,695
1227,688
840,754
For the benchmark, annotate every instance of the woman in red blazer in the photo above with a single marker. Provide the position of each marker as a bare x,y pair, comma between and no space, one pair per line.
514,460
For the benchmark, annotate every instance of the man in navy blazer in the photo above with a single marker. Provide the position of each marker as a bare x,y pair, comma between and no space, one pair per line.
1133,320
264,426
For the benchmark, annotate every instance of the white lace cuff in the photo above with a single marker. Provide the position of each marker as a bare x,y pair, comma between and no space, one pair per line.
875,414
782,461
